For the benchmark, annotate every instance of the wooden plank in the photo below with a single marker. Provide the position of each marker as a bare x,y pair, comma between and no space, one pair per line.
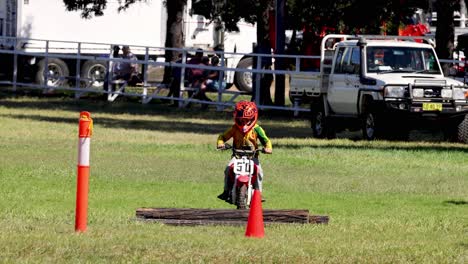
178,222
315,219
318,219
291,216
192,215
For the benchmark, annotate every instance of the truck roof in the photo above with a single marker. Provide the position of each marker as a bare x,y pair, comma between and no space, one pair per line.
386,42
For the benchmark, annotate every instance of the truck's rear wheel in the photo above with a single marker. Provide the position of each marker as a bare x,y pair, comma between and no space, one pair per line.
243,80
457,130
322,127
94,73
57,72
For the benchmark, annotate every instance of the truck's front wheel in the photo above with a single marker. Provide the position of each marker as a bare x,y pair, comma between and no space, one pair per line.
370,128
463,130
457,131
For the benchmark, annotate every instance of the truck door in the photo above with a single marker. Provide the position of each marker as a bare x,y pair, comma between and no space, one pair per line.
353,81
344,81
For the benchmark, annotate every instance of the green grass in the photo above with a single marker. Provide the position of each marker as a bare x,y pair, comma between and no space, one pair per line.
388,202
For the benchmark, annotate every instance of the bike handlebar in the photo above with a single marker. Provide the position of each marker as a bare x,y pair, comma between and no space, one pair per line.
242,151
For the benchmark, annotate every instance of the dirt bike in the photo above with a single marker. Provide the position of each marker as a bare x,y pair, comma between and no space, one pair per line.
243,176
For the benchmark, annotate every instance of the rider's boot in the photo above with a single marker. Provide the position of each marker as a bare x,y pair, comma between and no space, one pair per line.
224,196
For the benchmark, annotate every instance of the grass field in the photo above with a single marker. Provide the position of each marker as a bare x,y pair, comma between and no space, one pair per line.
388,202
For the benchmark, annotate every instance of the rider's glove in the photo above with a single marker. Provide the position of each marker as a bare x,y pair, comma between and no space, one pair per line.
220,146
268,150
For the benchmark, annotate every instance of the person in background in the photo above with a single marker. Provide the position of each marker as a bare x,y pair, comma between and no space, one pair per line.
200,83
200,80
195,75
174,89
212,81
111,68
124,70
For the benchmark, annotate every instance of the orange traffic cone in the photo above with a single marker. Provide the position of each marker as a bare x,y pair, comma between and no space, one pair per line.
255,226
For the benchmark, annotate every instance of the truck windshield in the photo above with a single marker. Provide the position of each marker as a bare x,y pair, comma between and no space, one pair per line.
401,59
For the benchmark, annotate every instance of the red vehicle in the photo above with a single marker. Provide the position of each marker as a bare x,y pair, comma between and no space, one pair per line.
414,30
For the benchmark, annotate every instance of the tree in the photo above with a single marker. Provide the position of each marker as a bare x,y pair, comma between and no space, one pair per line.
346,15
174,34
445,32
262,14
254,12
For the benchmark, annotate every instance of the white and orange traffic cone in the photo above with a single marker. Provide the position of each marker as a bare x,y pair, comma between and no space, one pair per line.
84,142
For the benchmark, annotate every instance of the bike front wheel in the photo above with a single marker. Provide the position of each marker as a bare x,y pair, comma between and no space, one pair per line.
241,197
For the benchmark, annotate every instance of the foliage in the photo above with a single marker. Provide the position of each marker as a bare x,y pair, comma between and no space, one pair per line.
445,28
340,16
91,8
88,8
231,12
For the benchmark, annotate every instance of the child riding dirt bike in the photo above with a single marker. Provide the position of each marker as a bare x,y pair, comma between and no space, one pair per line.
245,133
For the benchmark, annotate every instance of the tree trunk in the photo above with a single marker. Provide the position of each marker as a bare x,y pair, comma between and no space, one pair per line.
445,32
279,49
263,47
396,19
174,34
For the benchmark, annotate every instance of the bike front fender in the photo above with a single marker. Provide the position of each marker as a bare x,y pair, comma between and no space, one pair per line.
243,179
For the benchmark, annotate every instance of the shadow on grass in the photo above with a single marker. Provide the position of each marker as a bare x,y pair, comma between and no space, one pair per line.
167,126
282,131
132,106
456,202
275,132
382,145
279,128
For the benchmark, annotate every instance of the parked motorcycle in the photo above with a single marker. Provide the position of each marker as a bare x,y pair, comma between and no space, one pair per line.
243,176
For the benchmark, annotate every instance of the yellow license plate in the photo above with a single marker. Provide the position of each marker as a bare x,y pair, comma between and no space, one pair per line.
432,107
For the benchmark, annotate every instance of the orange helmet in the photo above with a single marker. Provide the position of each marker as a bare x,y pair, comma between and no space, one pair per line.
245,115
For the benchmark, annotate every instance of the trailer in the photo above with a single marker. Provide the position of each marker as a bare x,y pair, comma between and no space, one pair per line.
50,35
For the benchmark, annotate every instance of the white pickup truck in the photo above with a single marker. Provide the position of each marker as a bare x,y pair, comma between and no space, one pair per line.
382,85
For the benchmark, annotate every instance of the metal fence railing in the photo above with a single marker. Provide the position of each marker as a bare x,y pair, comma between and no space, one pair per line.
68,60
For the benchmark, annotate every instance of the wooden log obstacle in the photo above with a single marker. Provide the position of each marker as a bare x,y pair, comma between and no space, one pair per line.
192,216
